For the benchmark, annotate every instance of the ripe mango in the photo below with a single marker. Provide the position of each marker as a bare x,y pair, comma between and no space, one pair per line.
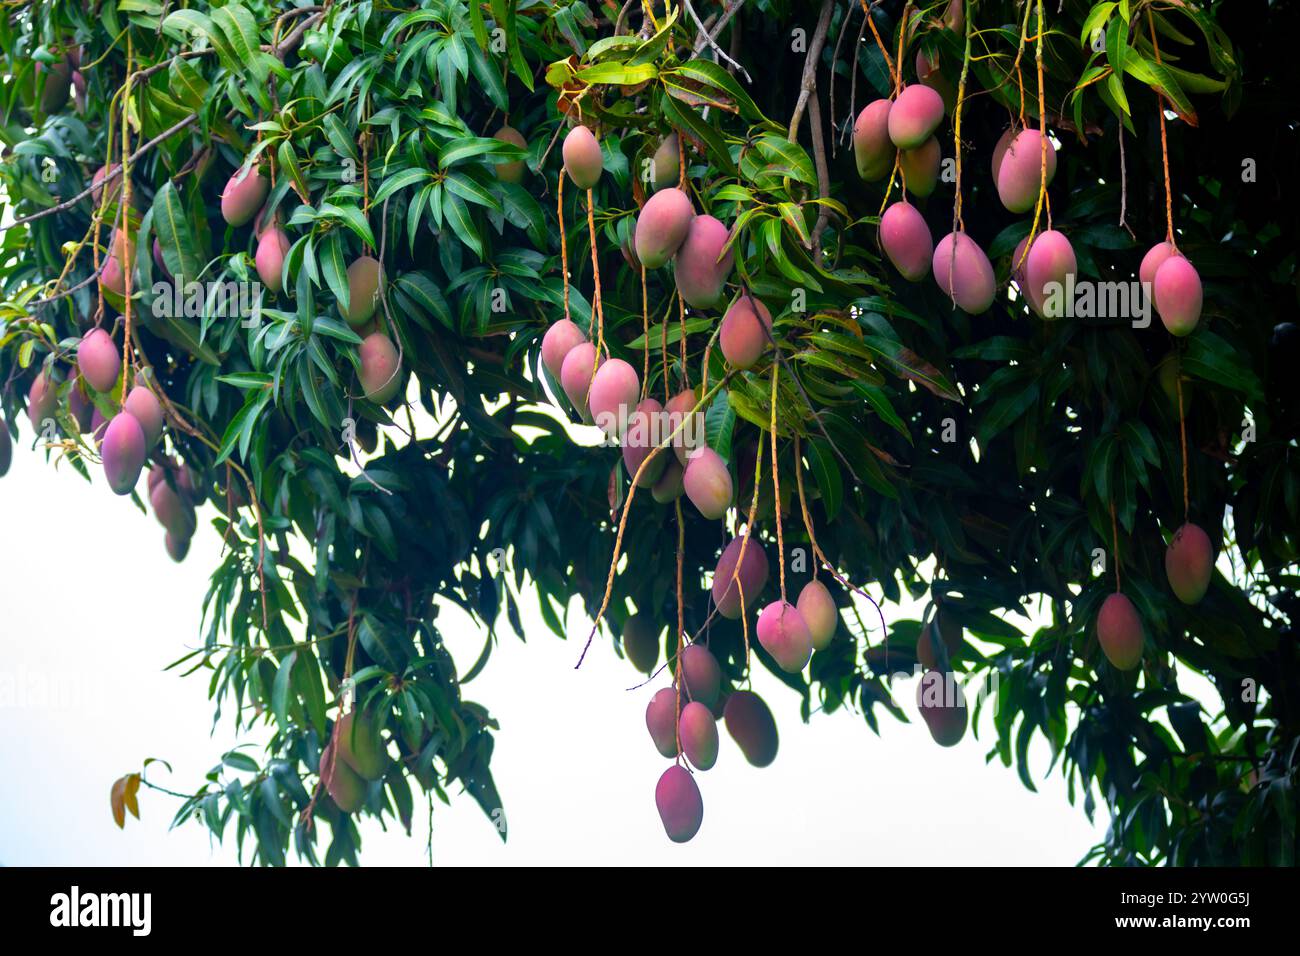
272,247
915,115
701,674
680,408
98,360
576,373
1021,170
144,405
700,266
42,400
966,277
1178,295
661,720
1051,260
1119,632
681,808
906,240
699,736
750,723
784,634
1189,563
942,705
560,338
381,368
244,194
661,226
1152,262
640,440
123,452
819,613
743,336
751,579
873,152
582,157
613,396
707,483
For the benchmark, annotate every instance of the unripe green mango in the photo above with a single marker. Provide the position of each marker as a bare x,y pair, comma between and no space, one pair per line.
346,789
361,746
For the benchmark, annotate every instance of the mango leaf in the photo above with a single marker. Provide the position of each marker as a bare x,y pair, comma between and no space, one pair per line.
175,238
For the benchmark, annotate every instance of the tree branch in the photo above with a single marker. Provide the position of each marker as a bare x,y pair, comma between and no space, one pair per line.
708,38
809,82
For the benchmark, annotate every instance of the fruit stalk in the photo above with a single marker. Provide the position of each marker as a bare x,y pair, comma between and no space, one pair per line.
816,548
776,487
1164,140
889,64
564,245
1182,433
681,625
958,222
645,337
627,506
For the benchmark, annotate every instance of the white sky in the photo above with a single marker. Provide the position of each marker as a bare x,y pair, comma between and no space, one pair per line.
94,609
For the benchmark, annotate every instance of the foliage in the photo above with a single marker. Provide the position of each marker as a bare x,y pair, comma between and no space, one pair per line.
375,123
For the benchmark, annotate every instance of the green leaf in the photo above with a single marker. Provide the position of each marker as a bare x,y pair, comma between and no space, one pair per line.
711,74
826,472
401,180
350,216
334,268
620,74
458,218
1210,358
179,250
280,691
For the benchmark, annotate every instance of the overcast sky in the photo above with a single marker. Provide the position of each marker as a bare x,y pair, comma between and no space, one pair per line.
94,610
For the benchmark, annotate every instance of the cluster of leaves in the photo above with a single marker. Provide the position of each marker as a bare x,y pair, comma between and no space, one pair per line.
376,126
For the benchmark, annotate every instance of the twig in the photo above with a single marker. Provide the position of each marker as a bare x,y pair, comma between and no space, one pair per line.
110,175
627,507
809,80
709,37
704,40
835,59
